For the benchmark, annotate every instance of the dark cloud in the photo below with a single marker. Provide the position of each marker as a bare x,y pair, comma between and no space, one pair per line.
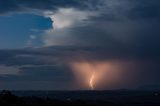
49,65
138,9
58,55
130,29
121,24
145,9
7,6
123,31
40,73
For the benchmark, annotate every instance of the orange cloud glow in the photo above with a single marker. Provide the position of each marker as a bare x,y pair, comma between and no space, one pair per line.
94,74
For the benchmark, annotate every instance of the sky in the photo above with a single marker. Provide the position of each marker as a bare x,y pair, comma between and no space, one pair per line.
69,44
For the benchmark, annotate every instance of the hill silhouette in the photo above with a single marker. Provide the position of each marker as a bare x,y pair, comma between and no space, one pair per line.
8,99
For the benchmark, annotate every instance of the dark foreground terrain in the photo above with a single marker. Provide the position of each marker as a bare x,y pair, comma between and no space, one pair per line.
80,98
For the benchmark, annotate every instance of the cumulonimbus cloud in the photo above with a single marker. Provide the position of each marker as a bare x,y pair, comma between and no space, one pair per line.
119,30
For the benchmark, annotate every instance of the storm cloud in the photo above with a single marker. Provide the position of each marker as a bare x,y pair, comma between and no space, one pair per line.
49,66
124,31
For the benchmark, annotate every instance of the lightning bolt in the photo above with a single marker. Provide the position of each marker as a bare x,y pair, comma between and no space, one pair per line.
91,81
